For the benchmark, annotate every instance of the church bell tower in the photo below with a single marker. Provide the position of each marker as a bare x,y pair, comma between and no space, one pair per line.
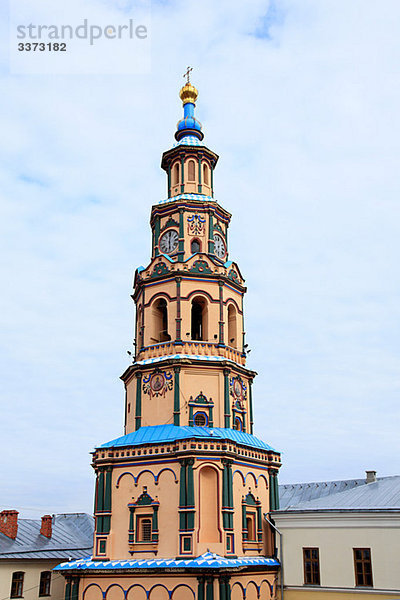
181,498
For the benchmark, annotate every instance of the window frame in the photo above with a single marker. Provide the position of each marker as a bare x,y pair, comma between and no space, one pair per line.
20,583
315,568
251,518
45,583
363,561
139,528
202,414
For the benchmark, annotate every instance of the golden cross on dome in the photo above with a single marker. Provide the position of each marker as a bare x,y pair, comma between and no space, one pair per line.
187,74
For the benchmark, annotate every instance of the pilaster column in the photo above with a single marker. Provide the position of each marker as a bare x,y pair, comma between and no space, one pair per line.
68,589
227,411
210,233
190,493
200,588
131,532
178,310
182,175
154,526
156,235
221,312
169,181
200,176
181,247
177,410
259,521
210,588
251,405
138,408
75,588
244,522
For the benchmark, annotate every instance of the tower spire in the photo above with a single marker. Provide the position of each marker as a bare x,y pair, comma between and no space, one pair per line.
189,125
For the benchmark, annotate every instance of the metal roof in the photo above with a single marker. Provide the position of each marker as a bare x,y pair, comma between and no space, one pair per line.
208,560
383,494
72,537
170,433
294,493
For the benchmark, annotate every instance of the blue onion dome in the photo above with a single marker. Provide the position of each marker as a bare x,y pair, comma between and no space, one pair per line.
189,125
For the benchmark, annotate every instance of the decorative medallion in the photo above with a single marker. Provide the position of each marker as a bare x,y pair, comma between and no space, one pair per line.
157,384
238,389
196,225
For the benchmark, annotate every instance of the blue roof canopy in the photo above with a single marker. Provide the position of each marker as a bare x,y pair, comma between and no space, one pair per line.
170,433
209,560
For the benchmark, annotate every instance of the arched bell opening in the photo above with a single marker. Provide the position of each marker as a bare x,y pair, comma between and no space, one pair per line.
191,170
199,319
175,174
195,246
232,326
160,316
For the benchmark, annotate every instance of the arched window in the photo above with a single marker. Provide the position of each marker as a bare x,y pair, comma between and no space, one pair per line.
199,319
205,174
175,174
191,170
200,419
195,246
161,321
232,326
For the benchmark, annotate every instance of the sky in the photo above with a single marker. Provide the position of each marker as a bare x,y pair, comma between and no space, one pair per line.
300,99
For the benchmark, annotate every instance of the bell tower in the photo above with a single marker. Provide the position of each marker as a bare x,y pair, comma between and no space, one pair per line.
181,497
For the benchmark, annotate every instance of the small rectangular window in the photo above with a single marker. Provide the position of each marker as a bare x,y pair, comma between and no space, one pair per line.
17,584
311,566
363,567
251,526
44,585
144,529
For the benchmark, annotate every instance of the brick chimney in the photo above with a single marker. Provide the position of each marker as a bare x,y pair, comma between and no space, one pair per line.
9,523
370,476
46,528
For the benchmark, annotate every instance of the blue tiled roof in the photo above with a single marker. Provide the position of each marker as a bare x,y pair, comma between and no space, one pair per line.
170,433
208,560
188,140
201,197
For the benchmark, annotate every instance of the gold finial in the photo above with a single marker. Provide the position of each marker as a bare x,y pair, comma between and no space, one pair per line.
188,93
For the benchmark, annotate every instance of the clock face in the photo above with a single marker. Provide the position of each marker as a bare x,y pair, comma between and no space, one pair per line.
219,246
169,241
